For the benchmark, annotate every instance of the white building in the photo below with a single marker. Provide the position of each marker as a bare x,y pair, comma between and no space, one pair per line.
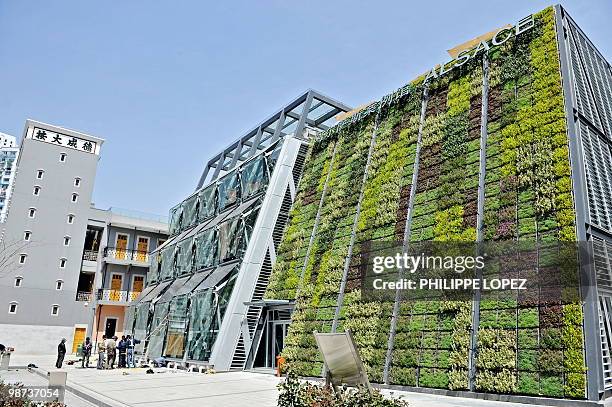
43,238
9,152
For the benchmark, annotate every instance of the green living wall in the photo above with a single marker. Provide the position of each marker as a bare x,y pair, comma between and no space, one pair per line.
524,346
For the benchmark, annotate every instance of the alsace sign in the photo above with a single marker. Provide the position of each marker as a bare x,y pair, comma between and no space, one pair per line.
499,38
63,140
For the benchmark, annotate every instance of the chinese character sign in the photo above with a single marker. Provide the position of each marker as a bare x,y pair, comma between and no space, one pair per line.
64,140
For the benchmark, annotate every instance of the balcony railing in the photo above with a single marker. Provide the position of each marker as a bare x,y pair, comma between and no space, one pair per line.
117,295
84,296
137,256
90,255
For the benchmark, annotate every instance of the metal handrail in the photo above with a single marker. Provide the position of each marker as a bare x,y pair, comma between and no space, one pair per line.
117,253
107,294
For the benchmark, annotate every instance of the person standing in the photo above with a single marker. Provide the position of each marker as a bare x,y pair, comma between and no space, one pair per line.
111,352
102,353
61,352
86,350
130,351
122,348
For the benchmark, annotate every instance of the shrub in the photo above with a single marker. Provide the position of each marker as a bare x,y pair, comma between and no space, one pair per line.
295,393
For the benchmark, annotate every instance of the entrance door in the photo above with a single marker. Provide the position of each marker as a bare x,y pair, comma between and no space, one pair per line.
137,287
78,339
279,332
116,285
121,246
111,327
142,249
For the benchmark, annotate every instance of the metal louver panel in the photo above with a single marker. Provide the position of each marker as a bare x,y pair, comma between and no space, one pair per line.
602,249
598,171
599,78
584,100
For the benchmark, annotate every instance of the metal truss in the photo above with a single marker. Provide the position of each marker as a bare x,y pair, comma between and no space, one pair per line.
311,110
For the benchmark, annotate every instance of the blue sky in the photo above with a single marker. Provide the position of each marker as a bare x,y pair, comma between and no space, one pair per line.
170,83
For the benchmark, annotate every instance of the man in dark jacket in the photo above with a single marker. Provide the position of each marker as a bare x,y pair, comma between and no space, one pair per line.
86,352
122,348
61,352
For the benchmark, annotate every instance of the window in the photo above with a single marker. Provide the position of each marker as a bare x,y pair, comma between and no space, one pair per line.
55,310
40,174
18,281
13,308
27,235
70,219
62,263
59,284
75,197
66,240
36,191
32,213
63,157
22,258
77,182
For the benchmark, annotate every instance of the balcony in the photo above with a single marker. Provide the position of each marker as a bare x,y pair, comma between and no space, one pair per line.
126,256
117,297
90,255
84,296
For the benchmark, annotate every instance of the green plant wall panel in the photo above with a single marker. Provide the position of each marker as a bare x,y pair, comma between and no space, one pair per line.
358,187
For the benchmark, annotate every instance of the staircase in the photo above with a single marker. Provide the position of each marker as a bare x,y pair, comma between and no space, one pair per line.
249,323
240,332
605,347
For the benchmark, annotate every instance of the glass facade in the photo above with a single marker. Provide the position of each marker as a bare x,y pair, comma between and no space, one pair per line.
209,235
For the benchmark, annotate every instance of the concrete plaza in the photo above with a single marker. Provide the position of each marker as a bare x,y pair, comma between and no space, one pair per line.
175,388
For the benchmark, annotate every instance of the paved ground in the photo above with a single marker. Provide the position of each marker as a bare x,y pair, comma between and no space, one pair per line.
168,388
31,379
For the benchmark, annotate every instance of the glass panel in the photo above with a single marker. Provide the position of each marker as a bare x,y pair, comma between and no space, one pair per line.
298,109
206,249
249,223
320,109
254,177
168,263
176,218
177,322
185,256
229,191
158,330
208,202
190,211
128,324
273,157
290,125
141,319
154,268
207,311
229,239
200,336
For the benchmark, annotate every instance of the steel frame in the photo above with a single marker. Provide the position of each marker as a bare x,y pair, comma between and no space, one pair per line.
273,128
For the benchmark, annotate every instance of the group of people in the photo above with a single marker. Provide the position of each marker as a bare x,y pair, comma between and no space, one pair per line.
107,352
110,347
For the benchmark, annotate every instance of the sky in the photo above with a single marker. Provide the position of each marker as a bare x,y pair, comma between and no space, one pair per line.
168,84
